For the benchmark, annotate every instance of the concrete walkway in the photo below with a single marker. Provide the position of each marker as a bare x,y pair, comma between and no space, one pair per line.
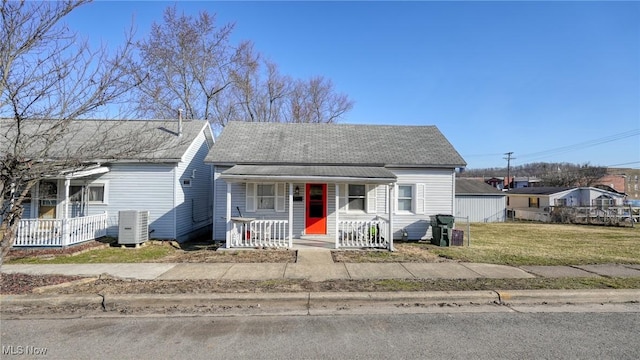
317,265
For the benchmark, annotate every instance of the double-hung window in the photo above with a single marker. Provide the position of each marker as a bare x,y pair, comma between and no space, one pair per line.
266,196
93,193
405,198
357,197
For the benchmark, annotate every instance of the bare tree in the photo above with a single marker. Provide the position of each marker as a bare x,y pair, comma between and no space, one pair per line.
190,63
315,101
186,63
49,78
574,175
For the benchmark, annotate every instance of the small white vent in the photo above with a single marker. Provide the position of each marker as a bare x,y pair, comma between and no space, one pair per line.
133,227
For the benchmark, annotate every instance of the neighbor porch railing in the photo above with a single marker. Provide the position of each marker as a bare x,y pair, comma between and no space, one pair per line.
359,233
530,215
60,232
260,233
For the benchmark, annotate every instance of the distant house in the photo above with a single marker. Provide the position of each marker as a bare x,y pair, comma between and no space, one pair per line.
479,201
525,181
170,181
535,203
350,185
497,182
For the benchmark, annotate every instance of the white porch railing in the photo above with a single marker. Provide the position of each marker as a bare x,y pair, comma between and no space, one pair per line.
260,233
359,233
60,232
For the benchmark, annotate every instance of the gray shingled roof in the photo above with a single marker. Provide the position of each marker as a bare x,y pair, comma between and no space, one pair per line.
93,140
476,187
333,144
306,171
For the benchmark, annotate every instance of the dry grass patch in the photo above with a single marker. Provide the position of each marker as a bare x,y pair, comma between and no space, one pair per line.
164,252
548,244
118,286
405,252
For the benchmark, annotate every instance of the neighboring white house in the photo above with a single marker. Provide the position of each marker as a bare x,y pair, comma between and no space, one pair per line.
535,203
357,185
479,201
170,180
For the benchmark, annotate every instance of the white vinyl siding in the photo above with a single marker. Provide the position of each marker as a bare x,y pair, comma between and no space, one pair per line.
482,209
193,203
432,194
140,187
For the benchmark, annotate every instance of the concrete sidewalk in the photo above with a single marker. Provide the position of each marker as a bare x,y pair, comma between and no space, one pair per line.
318,265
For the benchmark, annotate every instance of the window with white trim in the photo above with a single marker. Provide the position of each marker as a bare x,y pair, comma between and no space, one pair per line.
405,198
356,197
266,196
97,193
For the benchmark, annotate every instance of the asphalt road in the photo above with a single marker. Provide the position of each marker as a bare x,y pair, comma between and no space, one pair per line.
568,332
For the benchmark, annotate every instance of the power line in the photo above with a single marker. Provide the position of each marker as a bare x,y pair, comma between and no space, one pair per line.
582,145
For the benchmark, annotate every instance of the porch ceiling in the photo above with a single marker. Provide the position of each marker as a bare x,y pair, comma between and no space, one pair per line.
335,174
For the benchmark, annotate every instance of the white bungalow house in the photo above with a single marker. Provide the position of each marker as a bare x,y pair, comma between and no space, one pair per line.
167,177
347,185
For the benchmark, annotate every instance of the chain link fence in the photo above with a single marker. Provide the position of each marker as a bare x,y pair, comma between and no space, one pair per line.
461,228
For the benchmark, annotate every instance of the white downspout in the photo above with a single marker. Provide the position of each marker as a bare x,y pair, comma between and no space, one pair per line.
290,215
391,206
228,218
337,235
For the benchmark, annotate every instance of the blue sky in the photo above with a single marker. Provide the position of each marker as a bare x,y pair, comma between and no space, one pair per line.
548,81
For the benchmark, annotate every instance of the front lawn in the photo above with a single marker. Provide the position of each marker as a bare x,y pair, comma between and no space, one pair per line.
513,243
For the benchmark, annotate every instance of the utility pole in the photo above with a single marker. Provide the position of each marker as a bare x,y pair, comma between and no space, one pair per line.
509,158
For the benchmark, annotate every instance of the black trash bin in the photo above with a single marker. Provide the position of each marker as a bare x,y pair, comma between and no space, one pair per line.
441,226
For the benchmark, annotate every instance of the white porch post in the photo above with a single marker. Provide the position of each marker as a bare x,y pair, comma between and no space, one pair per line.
337,216
67,183
65,220
227,243
391,207
290,215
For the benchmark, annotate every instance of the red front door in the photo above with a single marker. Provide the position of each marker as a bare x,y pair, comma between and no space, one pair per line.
316,209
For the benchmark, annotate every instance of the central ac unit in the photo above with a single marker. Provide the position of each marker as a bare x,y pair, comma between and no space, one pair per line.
133,227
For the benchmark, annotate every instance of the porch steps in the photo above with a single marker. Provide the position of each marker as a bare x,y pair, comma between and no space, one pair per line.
314,242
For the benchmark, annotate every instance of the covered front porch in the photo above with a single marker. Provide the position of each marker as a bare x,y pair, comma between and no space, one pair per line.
57,214
307,206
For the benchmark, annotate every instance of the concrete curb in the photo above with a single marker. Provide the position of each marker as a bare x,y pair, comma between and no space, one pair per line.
292,301
13,302
568,296
422,297
304,302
